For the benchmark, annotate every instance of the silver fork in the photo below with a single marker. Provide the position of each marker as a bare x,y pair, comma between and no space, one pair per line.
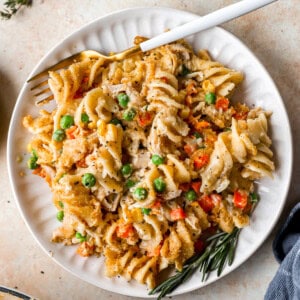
199,24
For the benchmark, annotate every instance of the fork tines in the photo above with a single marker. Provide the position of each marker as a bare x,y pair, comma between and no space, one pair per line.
42,88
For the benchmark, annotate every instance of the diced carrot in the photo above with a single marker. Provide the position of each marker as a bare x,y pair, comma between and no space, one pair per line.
155,207
85,79
196,185
164,79
191,89
177,214
42,173
222,103
156,204
240,199
189,149
201,125
241,115
85,249
70,132
210,138
144,118
125,230
154,252
206,203
199,246
194,203
188,100
201,161
81,163
240,112
37,171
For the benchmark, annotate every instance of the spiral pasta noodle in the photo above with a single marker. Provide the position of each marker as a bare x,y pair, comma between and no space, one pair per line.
147,156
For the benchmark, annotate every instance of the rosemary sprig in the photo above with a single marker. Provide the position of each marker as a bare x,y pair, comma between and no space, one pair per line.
12,7
219,250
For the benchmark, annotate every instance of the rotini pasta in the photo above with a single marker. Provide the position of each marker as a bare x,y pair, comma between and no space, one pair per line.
147,156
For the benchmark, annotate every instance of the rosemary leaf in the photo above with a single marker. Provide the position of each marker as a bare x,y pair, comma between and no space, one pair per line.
219,251
12,7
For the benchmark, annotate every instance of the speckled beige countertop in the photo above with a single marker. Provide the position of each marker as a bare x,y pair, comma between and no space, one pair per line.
273,34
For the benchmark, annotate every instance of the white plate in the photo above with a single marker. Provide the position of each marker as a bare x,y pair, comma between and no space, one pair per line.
115,32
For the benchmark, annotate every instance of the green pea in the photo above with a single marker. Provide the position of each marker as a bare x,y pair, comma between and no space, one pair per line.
32,162
80,237
66,121
59,135
123,99
61,204
159,185
130,183
84,118
34,153
190,195
254,197
210,98
126,170
140,193
129,115
146,211
115,121
60,215
88,180
157,160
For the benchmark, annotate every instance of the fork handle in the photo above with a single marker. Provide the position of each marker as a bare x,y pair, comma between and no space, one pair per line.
213,19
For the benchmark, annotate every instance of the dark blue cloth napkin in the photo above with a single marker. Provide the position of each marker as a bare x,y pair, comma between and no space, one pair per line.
286,247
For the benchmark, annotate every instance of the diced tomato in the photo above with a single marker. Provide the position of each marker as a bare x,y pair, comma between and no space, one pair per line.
145,118
125,230
201,161
222,103
196,185
199,246
240,199
184,187
70,132
78,94
206,202
177,214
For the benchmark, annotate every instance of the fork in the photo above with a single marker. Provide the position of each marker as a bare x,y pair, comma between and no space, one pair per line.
215,18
